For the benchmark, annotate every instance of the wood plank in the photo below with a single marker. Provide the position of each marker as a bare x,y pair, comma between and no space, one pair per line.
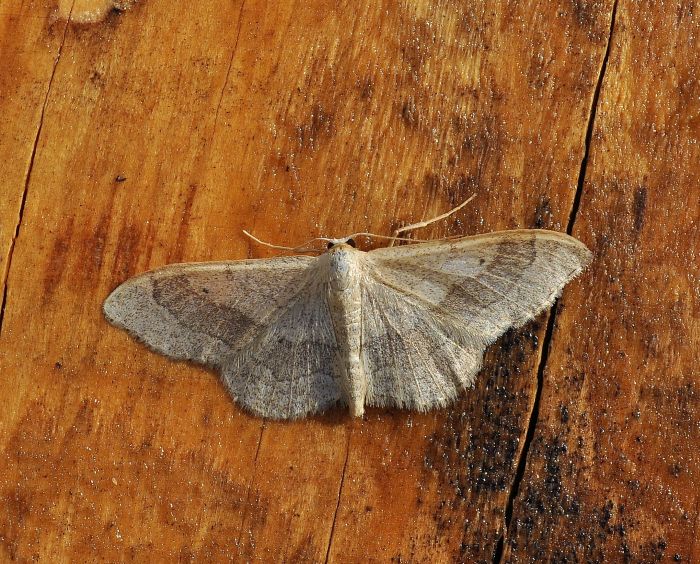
614,467
291,120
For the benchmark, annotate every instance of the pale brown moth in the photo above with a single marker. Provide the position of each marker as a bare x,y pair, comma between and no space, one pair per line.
402,327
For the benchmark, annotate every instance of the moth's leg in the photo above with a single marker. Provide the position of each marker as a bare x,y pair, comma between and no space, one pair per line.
429,221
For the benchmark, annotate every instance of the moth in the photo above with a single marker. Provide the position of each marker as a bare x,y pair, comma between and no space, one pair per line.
402,327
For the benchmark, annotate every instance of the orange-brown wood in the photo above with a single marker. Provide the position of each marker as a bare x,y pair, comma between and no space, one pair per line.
614,468
170,127
28,48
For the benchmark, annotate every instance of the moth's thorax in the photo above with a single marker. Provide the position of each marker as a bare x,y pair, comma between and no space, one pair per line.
345,304
343,267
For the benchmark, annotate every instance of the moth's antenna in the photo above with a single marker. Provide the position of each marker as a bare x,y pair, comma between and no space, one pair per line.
407,239
304,248
266,244
429,221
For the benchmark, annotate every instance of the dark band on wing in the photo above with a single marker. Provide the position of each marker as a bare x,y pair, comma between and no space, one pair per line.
513,256
191,305
510,263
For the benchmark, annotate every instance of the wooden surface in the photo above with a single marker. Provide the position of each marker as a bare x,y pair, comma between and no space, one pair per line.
156,134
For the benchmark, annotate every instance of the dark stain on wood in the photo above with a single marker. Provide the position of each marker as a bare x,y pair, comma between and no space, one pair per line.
543,214
564,413
685,10
16,506
256,517
652,550
415,47
118,9
306,551
586,15
409,112
121,6
481,136
127,254
96,245
537,75
57,266
176,254
639,207
474,23
452,191
366,89
475,450
319,126
546,500
585,79
97,78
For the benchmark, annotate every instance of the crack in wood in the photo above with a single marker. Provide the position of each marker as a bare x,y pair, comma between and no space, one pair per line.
591,123
499,553
30,168
246,504
340,492
228,70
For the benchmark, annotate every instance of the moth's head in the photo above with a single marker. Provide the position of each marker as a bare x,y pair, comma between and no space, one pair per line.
337,243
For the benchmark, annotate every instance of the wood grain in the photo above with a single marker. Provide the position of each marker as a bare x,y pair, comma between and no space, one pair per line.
170,127
28,48
614,466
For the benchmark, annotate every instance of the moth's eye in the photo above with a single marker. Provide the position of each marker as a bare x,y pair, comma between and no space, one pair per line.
352,243
330,245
